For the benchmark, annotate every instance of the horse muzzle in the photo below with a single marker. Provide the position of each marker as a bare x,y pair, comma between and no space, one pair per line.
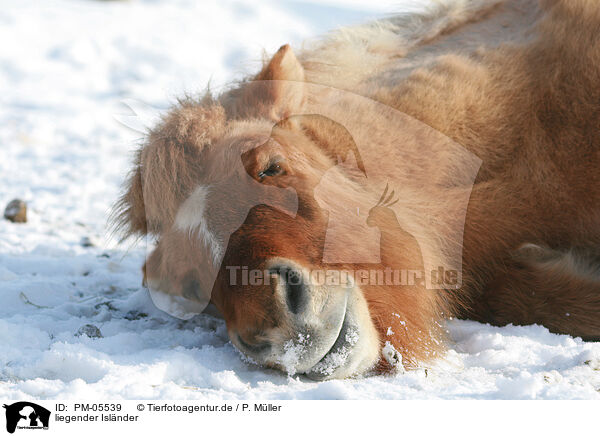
323,330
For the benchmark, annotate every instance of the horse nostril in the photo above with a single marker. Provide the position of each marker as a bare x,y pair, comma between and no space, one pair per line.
255,349
295,288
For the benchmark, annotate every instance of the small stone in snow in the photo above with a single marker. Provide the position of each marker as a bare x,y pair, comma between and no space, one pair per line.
86,241
90,330
134,315
16,211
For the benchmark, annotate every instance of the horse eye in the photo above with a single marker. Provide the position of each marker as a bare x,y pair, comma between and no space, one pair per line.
271,171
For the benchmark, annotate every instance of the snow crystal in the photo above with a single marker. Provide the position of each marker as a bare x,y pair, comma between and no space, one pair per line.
294,350
393,356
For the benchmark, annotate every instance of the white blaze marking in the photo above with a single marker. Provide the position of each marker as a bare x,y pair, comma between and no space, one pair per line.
192,217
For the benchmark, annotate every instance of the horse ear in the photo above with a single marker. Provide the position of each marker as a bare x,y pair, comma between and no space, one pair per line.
283,66
286,91
276,92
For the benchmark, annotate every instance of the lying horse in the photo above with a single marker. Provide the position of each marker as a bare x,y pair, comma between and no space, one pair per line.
431,165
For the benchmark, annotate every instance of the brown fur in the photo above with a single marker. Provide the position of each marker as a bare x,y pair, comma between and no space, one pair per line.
514,82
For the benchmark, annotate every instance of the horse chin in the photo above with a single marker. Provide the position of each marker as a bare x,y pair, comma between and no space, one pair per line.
355,348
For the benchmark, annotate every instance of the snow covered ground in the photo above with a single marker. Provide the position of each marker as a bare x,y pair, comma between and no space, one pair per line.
65,67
